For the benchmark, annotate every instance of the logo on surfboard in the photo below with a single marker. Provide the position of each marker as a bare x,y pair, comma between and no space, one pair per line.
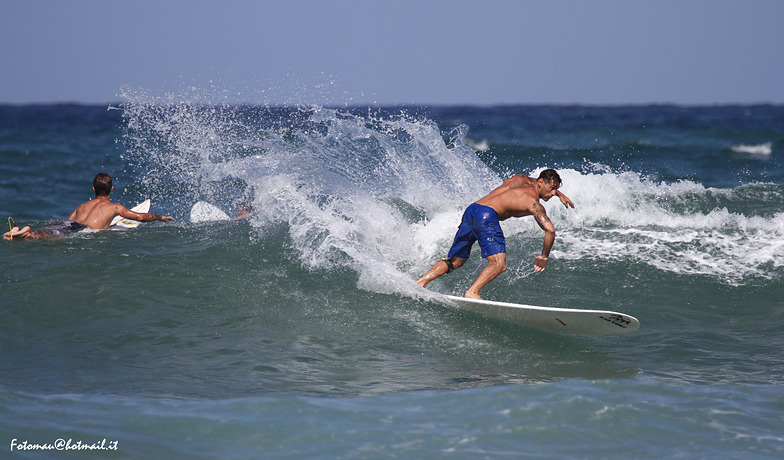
618,320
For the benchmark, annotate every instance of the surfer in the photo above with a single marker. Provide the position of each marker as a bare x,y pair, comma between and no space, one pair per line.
96,213
517,196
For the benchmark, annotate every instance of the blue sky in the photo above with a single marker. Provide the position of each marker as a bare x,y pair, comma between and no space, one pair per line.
393,52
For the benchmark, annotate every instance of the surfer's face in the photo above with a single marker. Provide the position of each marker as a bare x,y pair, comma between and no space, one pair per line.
547,189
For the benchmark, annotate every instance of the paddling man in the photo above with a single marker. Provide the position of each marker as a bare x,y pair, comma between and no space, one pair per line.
96,213
518,196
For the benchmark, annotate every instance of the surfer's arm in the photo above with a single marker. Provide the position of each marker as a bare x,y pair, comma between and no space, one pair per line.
537,210
126,213
564,199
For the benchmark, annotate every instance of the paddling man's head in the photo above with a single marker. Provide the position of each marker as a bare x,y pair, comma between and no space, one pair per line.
102,184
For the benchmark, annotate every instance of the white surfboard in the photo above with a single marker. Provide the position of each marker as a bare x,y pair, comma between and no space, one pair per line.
561,320
206,212
120,223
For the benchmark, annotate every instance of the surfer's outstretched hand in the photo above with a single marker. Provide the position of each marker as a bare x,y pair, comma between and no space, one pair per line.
566,201
540,262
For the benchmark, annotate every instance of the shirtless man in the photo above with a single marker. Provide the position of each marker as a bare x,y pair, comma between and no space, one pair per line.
518,196
96,213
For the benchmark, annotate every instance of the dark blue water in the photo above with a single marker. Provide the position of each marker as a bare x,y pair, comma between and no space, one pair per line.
299,332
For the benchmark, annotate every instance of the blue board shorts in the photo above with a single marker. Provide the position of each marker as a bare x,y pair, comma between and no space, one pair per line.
480,223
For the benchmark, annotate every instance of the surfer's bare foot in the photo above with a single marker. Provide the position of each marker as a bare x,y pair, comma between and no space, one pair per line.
15,232
472,295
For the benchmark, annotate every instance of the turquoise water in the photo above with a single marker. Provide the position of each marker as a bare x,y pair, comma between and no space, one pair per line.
299,333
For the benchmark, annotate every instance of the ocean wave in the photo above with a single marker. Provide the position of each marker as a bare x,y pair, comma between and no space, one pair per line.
732,234
382,194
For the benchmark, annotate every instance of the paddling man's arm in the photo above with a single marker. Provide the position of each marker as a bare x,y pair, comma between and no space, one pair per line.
126,213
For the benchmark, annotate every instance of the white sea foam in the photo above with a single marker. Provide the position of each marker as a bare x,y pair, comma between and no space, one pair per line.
480,146
626,217
758,150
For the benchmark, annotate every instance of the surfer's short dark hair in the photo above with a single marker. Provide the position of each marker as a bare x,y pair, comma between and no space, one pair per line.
102,184
549,175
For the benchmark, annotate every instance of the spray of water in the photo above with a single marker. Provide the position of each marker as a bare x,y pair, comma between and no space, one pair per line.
381,192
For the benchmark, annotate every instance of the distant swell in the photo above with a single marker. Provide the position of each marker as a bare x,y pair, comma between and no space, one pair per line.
759,150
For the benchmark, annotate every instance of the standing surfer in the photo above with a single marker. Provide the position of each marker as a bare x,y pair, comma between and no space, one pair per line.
517,196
